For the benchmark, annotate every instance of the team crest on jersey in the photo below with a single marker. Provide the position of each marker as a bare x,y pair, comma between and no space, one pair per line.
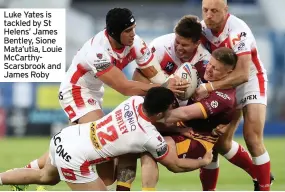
153,49
169,66
99,55
91,101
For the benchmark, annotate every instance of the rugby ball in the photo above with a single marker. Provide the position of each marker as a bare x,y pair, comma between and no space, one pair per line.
189,73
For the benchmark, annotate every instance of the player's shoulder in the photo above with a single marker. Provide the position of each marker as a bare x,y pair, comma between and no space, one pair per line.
203,53
164,39
137,100
161,43
138,41
237,24
96,43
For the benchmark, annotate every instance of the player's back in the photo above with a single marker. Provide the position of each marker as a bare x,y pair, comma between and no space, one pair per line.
125,130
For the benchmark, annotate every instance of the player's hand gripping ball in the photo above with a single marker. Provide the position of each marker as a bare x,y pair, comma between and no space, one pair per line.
189,73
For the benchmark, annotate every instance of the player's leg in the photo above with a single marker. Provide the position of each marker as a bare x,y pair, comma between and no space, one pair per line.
97,185
90,116
253,99
150,172
126,171
209,174
253,135
24,176
233,151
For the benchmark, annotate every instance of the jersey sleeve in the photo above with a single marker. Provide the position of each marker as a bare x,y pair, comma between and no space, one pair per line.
241,40
143,53
98,60
157,146
217,102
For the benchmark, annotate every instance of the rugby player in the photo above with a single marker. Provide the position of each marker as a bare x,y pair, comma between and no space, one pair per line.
127,129
221,29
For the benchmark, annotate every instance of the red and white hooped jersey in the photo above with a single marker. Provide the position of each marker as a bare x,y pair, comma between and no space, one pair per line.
235,35
164,50
97,57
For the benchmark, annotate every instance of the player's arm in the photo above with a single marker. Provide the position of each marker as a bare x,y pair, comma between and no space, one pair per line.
239,75
193,111
164,151
241,42
217,102
147,63
112,76
117,80
139,76
178,165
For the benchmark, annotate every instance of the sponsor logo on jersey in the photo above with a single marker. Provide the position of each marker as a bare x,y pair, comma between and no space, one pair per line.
93,136
169,66
241,46
162,150
102,66
60,151
223,95
249,97
129,116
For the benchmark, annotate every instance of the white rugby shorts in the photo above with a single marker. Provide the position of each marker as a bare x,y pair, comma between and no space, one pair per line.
253,91
69,157
77,102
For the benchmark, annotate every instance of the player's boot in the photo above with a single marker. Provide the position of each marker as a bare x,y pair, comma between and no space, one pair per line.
19,187
256,184
41,188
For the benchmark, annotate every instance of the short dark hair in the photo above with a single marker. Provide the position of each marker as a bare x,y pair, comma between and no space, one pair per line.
226,56
157,100
189,27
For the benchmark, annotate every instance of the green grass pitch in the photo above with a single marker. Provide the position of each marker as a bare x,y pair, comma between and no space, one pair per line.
17,152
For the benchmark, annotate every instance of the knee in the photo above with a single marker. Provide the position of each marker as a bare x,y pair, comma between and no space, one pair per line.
48,180
223,145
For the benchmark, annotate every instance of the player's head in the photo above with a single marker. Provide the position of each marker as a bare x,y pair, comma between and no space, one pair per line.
187,36
158,100
214,13
223,61
120,25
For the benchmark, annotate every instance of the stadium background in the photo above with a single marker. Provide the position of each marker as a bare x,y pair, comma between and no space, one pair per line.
30,113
